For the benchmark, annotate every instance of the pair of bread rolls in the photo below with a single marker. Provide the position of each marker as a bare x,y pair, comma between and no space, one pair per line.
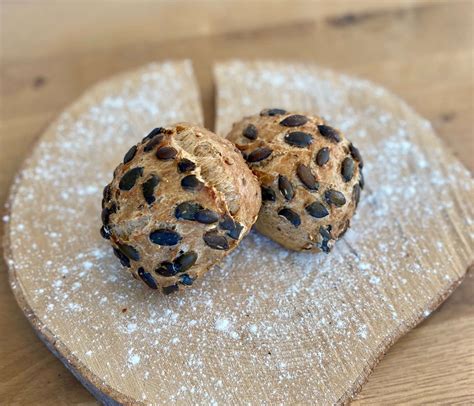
183,197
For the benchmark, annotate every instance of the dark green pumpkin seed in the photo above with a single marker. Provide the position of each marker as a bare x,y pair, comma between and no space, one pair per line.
165,237
326,237
185,261
130,154
191,182
250,132
347,169
329,133
186,280
317,210
153,143
299,139
294,120
259,154
286,188
105,232
107,193
268,194
153,133
272,112
147,278
216,241
167,290
185,165
356,194
106,212
356,155
335,197
187,210
167,269
236,231
291,216
129,251
322,157
306,177
233,228
227,223
148,188
206,216
324,233
123,259
129,179
105,216
166,153
361,180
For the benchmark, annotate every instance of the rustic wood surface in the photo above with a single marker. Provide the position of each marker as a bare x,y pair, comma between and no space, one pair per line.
46,62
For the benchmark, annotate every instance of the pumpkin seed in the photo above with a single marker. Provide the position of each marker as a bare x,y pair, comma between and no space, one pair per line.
153,143
356,194
170,289
268,194
234,229
356,155
206,216
130,154
334,197
185,165
294,120
166,153
317,210
322,157
165,237
215,241
250,132
299,139
291,216
347,169
185,261
128,180
153,133
129,251
191,182
186,280
123,259
286,188
187,210
148,188
167,269
329,133
147,278
306,177
259,154
272,112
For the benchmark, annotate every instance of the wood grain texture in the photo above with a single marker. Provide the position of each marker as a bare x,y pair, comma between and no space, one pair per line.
297,327
398,44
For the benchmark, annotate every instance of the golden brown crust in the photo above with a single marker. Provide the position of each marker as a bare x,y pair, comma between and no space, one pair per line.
182,199
310,176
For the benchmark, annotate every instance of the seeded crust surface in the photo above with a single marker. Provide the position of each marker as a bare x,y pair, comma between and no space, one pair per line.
182,199
310,176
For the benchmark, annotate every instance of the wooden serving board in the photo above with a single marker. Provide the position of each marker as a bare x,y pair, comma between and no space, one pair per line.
267,325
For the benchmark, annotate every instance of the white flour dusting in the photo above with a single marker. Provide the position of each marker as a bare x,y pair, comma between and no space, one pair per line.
265,318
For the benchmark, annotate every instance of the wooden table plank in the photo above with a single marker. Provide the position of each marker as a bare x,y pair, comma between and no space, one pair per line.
421,50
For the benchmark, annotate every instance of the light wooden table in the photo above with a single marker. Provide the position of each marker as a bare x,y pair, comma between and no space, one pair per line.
422,50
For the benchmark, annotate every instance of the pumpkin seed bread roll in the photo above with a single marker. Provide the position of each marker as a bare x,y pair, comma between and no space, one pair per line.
182,199
310,176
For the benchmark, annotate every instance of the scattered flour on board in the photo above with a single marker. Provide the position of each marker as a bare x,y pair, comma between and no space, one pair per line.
264,311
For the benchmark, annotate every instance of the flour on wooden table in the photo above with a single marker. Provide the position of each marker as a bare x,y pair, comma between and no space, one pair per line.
295,327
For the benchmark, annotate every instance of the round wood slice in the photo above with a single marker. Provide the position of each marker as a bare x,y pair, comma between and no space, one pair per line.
267,325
